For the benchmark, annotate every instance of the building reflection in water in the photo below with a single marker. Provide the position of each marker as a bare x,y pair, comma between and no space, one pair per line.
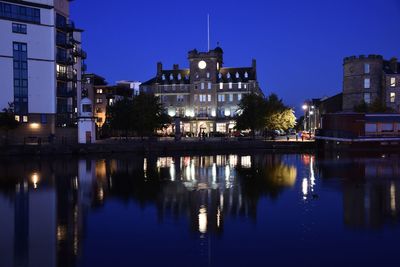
370,187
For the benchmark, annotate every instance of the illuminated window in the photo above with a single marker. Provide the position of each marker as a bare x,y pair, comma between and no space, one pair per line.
221,86
230,85
230,97
209,98
367,83
17,118
246,75
239,97
163,77
221,98
99,91
237,75
208,75
24,118
366,68
220,75
228,75
393,82
392,97
99,100
171,77
240,85
209,86
367,98
202,86
179,77
245,86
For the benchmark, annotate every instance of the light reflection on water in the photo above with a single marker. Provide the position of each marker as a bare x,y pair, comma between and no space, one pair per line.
47,206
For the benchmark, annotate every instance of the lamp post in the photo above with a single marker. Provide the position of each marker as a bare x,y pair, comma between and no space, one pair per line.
306,113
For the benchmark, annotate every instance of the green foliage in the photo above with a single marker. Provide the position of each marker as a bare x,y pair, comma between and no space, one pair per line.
142,114
377,106
258,113
7,119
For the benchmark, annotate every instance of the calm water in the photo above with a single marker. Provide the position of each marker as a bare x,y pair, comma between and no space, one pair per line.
221,210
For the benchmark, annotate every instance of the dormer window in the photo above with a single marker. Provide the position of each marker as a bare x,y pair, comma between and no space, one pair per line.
163,77
246,75
187,77
171,77
220,75
237,75
228,75
179,77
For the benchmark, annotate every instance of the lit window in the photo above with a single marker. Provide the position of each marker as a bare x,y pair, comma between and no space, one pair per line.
366,68
392,97
367,98
99,91
239,97
163,77
230,97
245,86
220,75
221,98
179,77
171,77
208,75
393,82
99,100
228,75
209,98
209,86
24,118
17,118
367,83
230,85
237,75
202,86
246,75
240,85
221,86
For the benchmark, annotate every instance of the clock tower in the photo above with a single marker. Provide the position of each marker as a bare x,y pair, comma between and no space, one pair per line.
205,66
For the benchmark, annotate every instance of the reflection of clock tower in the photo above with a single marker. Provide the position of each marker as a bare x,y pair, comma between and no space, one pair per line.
204,66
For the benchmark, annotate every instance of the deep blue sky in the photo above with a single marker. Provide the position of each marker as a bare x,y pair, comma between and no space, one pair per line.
299,45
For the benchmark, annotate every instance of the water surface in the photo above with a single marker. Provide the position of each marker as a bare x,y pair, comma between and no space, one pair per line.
221,210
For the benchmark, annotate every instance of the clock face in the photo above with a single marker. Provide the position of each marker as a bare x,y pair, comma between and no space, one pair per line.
202,65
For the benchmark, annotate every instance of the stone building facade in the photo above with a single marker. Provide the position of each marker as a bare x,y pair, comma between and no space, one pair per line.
204,97
370,78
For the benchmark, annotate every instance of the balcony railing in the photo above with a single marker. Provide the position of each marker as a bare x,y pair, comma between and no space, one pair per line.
66,76
65,60
66,43
65,91
79,53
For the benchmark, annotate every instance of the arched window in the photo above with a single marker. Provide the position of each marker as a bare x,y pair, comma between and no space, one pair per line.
171,77
163,77
228,75
179,77
237,75
246,75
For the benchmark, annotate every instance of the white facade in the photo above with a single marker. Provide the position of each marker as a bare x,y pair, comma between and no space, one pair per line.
46,101
133,85
86,123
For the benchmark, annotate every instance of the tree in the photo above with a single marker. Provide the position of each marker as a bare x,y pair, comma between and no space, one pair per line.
7,120
149,114
120,116
251,115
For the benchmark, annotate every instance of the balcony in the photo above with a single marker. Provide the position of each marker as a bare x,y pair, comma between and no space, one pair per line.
66,76
65,43
77,52
65,60
84,67
66,92
68,26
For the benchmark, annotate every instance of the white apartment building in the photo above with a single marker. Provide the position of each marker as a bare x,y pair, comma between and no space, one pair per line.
41,62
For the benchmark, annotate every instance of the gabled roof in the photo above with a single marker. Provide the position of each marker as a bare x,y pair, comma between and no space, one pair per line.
236,75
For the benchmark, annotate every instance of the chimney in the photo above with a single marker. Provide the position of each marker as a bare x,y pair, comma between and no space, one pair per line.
176,66
159,68
393,64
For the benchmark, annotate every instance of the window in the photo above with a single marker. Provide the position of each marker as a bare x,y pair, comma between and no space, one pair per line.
99,91
203,98
202,86
171,77
20,13
19,28
239,97
387,127
366,68
392,97
20,63
246,75
24,118
393,82
180,98
17,118
230,97
367,83
240,85
245,86
43,119
228,75
230,85
195,97
99,100
209,86
237,75
221,98
163,77
367,98
179,77
209,98
221,86
208,75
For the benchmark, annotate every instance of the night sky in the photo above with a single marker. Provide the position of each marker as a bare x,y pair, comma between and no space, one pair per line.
299,45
